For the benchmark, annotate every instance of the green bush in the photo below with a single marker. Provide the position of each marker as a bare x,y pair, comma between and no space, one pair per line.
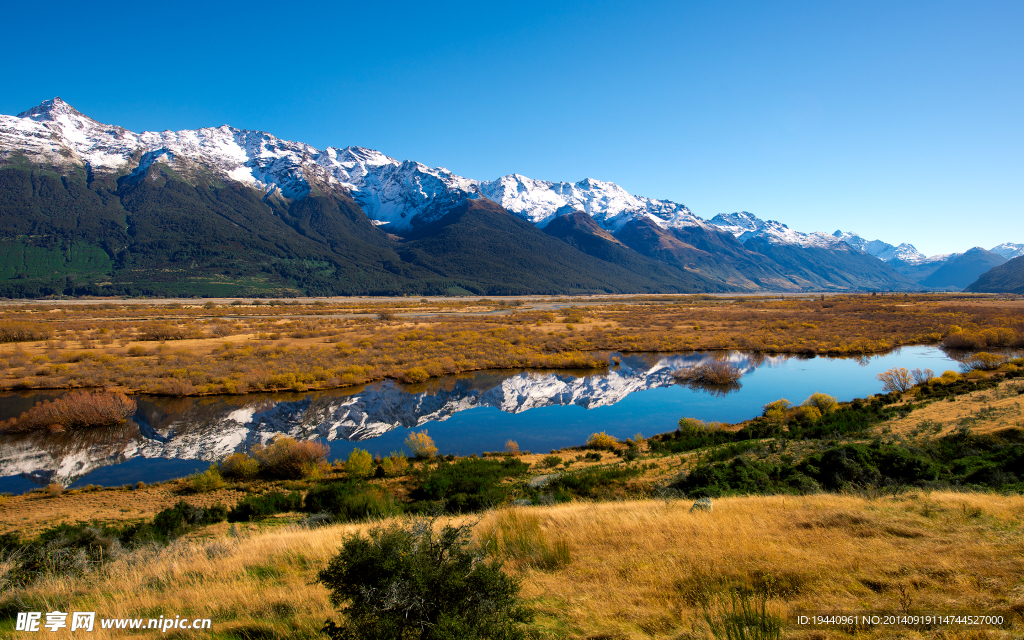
255,507
470,484
351,501
398,583
359,464
550,462
207,481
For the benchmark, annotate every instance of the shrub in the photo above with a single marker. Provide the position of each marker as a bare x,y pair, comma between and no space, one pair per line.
207,481
922,376
470,484
238,465
550,462
23,332
895,380
268,504
359,464
691,427
78,409
824,403
421,445
410,582
983,361
776,412
136,351
716,372
286,457
602,441
511,448
182,518
808,413
396,464
351,501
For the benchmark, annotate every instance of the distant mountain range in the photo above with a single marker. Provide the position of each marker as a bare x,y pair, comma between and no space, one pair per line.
90,208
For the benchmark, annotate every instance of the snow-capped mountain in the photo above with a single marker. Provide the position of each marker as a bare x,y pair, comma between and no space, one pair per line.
401,197
400,194
212,432
1009,250
746,225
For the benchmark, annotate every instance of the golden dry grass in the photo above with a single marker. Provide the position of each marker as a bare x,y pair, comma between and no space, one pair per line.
192,349
639,569
983,411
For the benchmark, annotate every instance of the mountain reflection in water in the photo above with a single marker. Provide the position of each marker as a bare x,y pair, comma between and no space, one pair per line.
211,428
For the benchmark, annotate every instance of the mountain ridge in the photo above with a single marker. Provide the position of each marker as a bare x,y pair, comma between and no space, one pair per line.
335,198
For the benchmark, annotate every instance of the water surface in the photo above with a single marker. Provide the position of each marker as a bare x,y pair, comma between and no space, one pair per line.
540,410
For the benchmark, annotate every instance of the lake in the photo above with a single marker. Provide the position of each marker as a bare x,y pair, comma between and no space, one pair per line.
471,413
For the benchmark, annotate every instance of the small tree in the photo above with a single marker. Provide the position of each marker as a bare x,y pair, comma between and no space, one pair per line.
511,448
776,411
421,445
359,464
895,380
601,441
922,376
396,464
401,583
823,402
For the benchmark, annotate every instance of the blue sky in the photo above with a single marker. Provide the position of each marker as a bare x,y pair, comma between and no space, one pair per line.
897,120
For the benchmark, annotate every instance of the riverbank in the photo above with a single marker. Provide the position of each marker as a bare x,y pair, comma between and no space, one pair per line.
181,349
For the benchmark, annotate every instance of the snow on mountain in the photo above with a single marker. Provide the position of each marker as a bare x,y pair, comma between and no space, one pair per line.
610,205
210,432
1009,250
391,192
746,225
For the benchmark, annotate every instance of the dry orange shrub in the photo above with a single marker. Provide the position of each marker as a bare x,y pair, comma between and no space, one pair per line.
77,409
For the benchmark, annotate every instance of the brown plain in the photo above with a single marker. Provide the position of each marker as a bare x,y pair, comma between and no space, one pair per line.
189,348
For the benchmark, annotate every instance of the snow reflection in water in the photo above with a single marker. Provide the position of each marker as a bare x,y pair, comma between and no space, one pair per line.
171,437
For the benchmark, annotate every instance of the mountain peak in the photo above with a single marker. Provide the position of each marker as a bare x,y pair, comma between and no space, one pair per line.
50,110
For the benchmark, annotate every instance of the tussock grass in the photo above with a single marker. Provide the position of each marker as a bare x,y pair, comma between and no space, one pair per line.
178,349
639,569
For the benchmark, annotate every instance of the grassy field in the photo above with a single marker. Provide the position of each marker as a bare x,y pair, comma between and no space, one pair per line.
221,347
637,562
639,569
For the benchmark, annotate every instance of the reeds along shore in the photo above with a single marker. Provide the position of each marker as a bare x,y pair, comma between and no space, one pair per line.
211,348
636,569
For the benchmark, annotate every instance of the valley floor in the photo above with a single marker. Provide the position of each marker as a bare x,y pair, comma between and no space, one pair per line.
192,348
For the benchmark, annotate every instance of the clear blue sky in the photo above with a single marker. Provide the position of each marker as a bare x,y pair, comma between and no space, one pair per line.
899,120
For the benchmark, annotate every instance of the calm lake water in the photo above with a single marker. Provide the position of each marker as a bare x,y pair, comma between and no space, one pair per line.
541,410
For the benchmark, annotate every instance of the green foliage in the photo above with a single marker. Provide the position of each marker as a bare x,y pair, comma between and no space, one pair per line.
960,459
403,583
354,500
745,619
470,484
268,504
359,464
207,481
593,484
550,462
395,464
